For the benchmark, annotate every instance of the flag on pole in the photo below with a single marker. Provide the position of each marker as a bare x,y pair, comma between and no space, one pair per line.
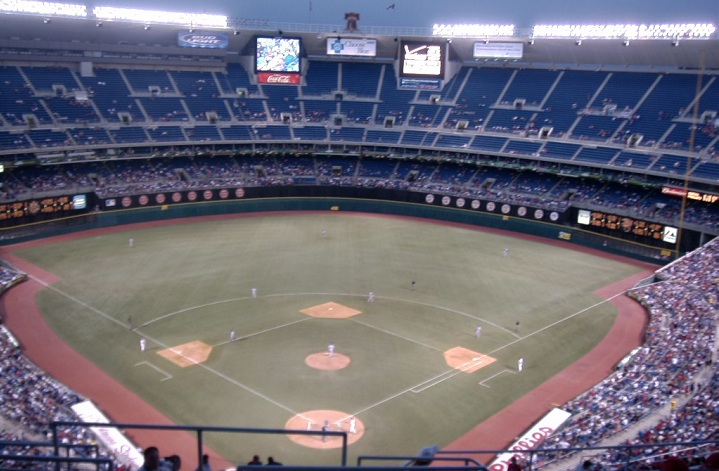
391,7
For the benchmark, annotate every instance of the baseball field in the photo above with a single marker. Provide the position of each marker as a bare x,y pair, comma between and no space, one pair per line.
409,366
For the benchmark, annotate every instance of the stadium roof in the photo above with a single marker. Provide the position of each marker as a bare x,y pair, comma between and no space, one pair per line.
424,13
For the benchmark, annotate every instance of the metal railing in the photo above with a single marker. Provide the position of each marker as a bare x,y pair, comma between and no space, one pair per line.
624,457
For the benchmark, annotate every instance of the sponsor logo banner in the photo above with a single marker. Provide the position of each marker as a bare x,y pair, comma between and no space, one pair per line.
274,78
565,235
532,438
351,47
670,190
123,450
498,50
204,39
420,84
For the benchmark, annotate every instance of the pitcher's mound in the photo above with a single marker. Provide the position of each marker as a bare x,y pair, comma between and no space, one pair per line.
323,361
315,419
330,311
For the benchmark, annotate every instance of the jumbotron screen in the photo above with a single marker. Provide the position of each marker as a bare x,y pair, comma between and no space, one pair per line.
422,59
277,54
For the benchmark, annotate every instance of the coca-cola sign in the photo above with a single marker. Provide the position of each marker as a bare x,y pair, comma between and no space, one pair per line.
274,78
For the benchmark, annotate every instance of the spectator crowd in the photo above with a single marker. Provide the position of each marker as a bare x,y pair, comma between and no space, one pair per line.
676,361
544,189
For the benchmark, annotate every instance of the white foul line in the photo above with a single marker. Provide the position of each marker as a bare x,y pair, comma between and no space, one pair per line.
167,375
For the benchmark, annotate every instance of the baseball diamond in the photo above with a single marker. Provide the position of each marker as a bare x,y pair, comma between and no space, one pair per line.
397,361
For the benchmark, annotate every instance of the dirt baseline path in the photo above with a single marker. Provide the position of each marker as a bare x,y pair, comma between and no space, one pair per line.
49,352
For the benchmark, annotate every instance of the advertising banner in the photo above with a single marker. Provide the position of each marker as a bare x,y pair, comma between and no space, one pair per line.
351,47
276,78
124,451
204,39
532,438
484,50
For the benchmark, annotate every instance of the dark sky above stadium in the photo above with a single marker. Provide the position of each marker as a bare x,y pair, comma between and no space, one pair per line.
424,13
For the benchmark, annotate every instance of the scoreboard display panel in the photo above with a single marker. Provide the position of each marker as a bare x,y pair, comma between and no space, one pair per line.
422,59
22,209
620,226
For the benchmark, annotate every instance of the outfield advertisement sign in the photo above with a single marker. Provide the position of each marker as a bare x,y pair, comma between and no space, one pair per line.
124,451
351,47
532,438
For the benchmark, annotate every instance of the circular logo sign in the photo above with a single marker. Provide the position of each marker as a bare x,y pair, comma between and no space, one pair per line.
33,207
538,214
224,193
491,206
506,209
475,204
522,211
126,202
429,199
160,198
240,193
176,197
460,202
192,196
144,199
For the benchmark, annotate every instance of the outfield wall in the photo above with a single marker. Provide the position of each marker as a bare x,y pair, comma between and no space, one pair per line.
551,224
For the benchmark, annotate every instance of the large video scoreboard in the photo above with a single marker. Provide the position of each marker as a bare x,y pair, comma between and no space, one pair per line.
277,54
422,59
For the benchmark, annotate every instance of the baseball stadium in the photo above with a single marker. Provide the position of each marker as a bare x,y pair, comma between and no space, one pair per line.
228,241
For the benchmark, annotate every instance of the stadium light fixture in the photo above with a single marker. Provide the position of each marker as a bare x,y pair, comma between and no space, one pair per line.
43,8
628,31
472,30
160,17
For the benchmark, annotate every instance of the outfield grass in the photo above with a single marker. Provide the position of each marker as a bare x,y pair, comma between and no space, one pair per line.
192,281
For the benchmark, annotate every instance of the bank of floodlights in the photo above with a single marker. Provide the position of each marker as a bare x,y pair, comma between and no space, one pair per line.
626,31
160,17
472,30
42,8
674,31
50,9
